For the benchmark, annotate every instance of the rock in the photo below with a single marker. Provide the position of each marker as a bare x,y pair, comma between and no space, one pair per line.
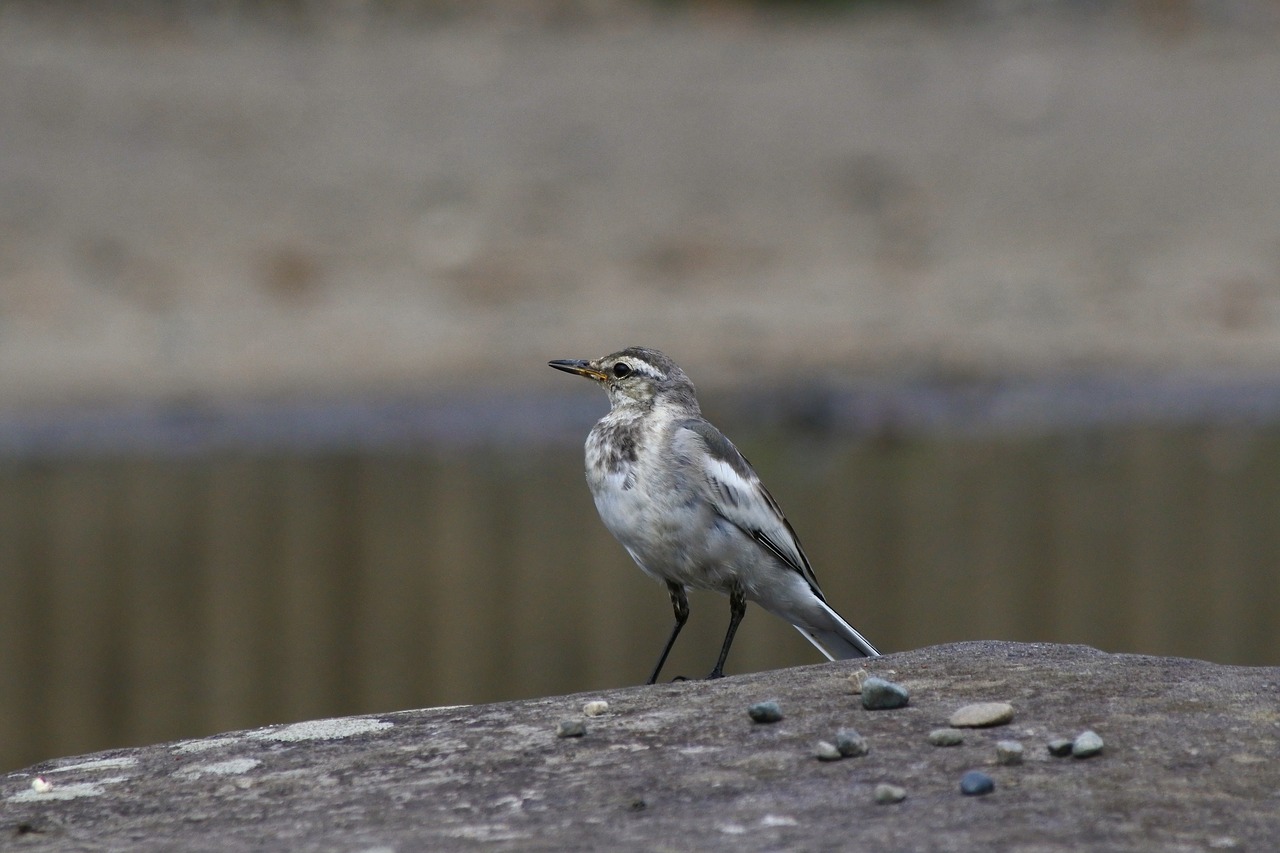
975,783
857,679
887,794
1061,746
1008,752
880,695
765,712
827,751
495,775
981,715
946,737
1086,745
851,744
571,728
597,708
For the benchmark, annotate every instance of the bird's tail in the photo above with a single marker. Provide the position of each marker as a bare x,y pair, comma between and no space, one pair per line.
839,642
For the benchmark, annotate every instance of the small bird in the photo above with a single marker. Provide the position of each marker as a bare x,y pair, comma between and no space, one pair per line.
690,510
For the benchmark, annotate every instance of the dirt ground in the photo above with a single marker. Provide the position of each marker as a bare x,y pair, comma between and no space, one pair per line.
220,206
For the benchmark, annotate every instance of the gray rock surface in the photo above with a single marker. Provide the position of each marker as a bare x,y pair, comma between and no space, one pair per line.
680,766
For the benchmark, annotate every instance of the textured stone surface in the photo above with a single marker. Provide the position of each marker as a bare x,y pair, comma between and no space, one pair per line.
681,766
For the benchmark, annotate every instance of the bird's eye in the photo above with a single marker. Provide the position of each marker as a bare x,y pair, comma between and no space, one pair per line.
622,370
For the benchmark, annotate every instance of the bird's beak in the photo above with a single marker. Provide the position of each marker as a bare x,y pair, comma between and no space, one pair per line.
578,366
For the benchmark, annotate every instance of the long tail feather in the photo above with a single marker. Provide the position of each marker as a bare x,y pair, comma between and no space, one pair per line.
842,642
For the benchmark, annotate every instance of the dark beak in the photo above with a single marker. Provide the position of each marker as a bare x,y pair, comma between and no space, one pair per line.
579,367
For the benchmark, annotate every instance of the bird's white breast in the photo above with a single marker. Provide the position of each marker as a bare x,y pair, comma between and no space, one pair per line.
666,525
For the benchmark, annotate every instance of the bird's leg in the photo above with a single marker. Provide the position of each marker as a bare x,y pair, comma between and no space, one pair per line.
680,604
737,609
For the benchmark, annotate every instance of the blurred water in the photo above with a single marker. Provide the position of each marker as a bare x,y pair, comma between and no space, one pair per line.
178,572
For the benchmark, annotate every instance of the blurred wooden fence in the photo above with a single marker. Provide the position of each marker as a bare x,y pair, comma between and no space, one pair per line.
155,598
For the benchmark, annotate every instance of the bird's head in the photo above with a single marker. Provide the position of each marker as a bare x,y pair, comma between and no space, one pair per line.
635,376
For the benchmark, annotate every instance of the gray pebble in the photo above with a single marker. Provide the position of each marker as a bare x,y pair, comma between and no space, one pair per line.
975,783
851,744
886,793
1060,746
880,695
982,714
571,728
946,737
1008,752
1087,744
765,712
827,751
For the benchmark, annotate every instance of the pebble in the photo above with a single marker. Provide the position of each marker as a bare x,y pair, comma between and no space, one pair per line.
886,793
597,708
1008,752
880,695
981,715
1086,745
41,785
946,737
571,728
765,712
857,680
1060,746
851,744
827,751
975,783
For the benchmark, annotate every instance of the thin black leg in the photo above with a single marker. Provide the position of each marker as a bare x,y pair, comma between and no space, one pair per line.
680,604
737,609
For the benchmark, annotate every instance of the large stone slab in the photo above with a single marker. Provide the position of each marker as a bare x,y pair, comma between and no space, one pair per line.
1192,762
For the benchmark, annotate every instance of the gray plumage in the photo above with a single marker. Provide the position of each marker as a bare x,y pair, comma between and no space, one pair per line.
690,509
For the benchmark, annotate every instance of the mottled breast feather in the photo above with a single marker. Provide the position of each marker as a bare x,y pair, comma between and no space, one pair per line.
623,443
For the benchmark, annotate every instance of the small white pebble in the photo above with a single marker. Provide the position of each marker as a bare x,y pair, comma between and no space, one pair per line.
827,751
981,715
41,785
1008,752
596,708
1086,745
857,679
887,794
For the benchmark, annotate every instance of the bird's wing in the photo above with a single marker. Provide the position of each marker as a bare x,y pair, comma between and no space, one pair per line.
735,491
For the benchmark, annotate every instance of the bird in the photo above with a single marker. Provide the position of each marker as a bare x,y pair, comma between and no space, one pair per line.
691,511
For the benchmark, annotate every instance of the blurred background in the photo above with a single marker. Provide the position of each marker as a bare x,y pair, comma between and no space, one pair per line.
989,292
